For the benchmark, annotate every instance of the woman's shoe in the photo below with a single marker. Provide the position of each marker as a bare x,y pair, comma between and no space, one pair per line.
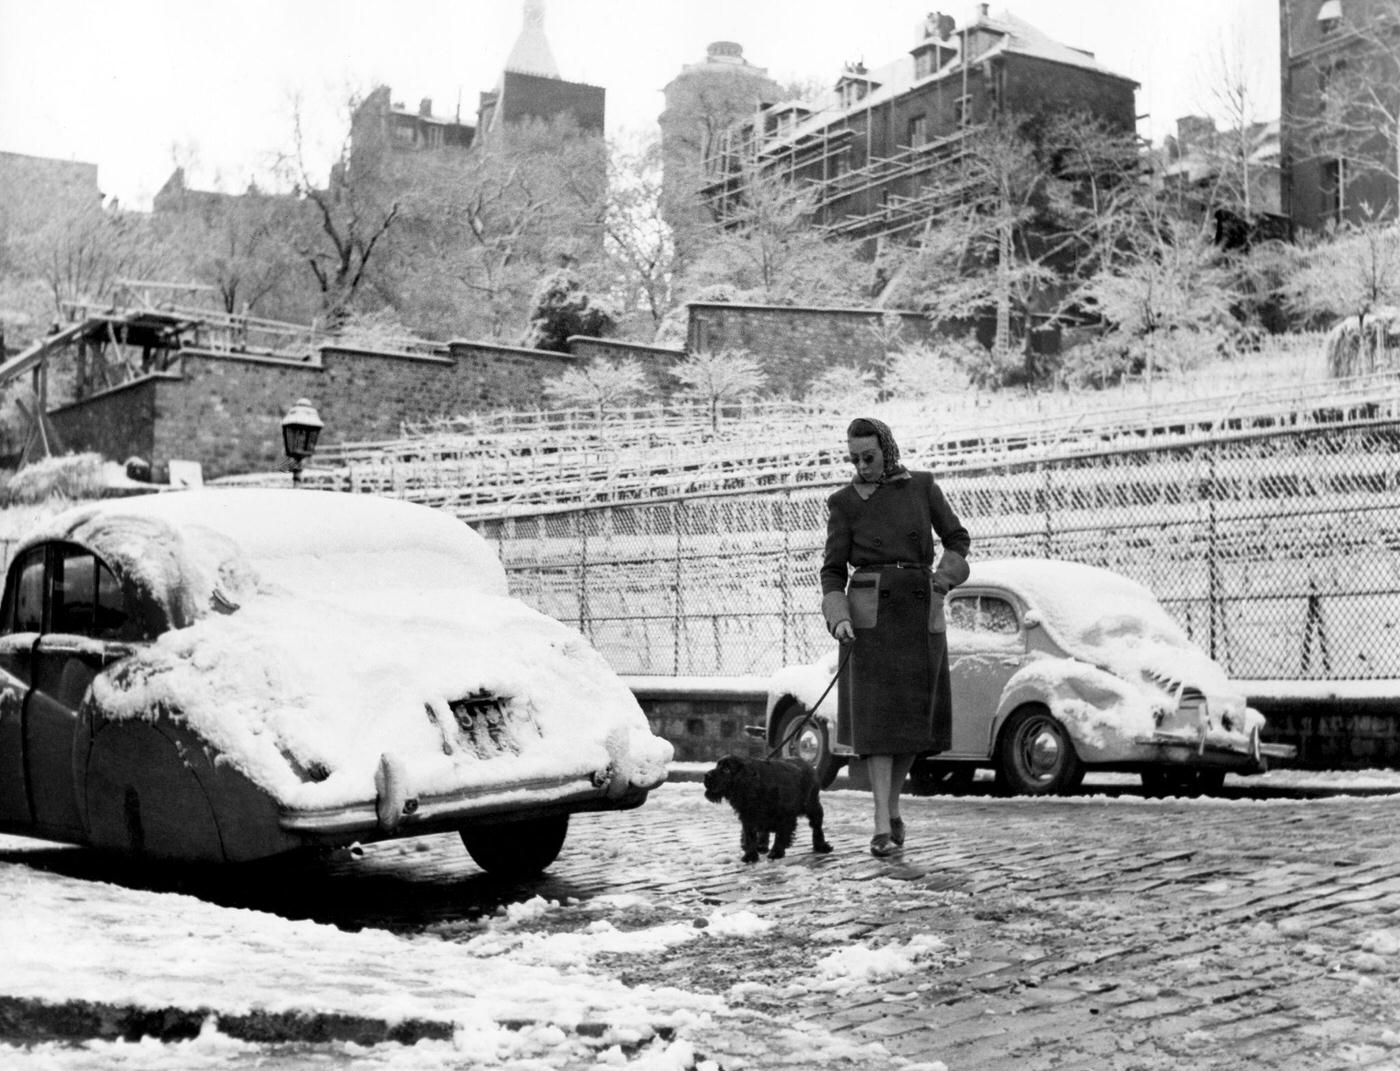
881,845
897,832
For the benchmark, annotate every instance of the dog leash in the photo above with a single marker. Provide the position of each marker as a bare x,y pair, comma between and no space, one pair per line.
811,714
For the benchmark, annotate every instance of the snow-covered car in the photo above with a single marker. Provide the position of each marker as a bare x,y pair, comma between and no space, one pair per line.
224,675
1058,668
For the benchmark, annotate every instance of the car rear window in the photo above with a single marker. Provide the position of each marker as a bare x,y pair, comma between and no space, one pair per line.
87,600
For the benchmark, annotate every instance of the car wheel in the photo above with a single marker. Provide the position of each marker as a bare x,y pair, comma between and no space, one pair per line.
935,778
516,850
811,744
1035,756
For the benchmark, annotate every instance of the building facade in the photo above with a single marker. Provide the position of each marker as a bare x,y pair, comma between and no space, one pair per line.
1340,68
702,102
872,145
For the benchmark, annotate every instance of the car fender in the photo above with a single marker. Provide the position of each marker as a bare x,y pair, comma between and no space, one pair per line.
153,788
1101,712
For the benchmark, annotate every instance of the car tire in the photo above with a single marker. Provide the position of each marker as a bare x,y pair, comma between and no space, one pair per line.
1035,755
933,778
811,744
516,850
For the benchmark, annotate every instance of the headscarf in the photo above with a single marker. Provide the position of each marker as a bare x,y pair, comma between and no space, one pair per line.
863,427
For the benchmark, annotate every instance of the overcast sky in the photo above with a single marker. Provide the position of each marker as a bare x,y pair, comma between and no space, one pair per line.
135,85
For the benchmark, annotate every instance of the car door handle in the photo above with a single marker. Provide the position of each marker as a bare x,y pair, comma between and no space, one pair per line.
1010,661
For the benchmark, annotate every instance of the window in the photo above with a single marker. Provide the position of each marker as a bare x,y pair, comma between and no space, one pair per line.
962,612
24,601
87,600
982,613
1333,190
997,615
918,131
962,110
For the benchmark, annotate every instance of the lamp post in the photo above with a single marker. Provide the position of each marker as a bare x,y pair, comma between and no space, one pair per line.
300,429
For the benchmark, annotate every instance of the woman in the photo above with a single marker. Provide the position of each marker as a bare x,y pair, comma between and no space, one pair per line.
894,701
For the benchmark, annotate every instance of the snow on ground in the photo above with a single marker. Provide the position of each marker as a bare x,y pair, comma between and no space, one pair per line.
66,939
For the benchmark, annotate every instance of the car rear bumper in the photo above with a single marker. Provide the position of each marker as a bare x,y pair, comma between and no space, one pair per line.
394,813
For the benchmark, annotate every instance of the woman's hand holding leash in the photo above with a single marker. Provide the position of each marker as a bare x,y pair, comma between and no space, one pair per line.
844,632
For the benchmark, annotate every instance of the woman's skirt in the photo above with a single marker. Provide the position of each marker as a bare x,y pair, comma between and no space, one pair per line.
893,697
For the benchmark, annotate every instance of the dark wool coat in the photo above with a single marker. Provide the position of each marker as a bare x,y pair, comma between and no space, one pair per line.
894,695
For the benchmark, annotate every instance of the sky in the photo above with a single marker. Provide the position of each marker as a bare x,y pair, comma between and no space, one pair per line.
137,86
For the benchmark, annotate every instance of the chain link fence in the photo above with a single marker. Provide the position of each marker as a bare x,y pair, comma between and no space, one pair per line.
1276,549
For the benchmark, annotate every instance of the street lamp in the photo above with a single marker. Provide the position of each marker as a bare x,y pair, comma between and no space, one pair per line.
300,428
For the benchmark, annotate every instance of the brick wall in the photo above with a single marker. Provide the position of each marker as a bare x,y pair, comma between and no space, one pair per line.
795,345
225,410
657,360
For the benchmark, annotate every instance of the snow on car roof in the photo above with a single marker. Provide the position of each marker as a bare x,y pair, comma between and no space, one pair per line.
183,547
1102,617
355,616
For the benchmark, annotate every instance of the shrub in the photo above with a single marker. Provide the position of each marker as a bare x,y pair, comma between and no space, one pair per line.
845,387
562,309
75,476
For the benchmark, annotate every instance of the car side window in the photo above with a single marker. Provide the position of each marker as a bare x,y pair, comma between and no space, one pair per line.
961,612
998,615
87,600
985,614
24,598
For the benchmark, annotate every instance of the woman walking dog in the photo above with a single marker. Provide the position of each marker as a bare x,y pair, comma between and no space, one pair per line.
881,594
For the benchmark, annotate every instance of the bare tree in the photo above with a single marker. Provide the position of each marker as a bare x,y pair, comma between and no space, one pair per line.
767,248
478,229
640,254
995,245
238,245
349,217
718,377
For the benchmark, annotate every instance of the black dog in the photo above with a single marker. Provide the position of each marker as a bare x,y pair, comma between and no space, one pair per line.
768,796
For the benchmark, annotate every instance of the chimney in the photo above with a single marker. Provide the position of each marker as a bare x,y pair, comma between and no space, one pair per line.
984,10
425,107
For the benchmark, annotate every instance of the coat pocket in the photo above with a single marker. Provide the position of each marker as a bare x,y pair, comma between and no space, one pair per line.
864,596
937,619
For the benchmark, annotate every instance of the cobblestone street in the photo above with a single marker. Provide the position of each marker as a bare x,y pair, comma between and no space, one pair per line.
1087,933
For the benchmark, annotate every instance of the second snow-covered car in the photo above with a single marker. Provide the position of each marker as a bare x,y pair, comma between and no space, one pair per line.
223,675
1057,668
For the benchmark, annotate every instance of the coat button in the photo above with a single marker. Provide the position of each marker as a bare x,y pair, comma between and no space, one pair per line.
877,541
912,535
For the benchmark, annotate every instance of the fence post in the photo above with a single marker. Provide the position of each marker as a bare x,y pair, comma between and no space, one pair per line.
1215,596
677,623
785,569
584,622
1043,492
1314,632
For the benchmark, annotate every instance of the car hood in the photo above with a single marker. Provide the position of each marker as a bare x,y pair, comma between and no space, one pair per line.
304,693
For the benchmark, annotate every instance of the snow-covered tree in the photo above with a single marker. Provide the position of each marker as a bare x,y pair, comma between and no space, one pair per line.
719,377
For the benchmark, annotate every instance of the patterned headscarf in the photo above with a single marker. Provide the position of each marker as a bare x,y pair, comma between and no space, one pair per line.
863,427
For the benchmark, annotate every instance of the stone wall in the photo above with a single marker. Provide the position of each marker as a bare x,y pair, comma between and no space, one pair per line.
657,360
225,410
794,344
